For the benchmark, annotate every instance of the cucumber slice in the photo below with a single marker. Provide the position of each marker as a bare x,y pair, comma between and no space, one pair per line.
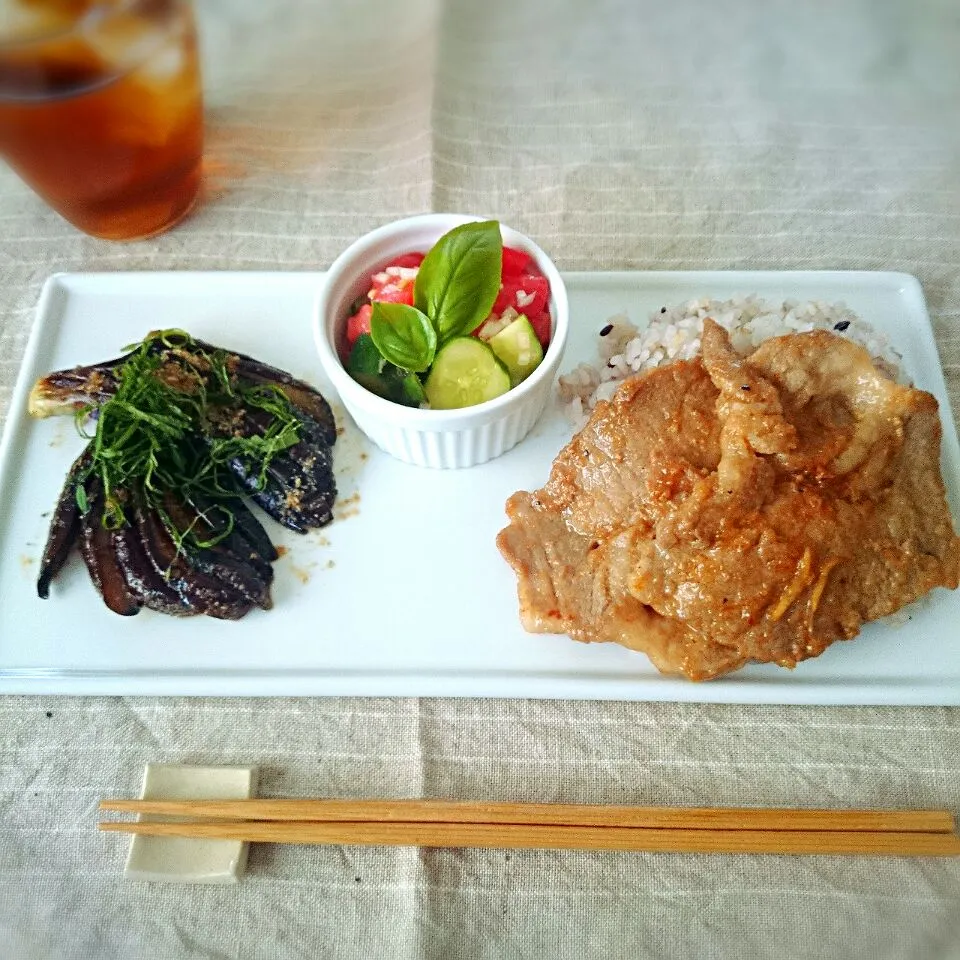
465,372
518,348
411,390
364,358
367,366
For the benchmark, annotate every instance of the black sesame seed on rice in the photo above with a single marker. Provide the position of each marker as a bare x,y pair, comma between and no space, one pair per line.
750,320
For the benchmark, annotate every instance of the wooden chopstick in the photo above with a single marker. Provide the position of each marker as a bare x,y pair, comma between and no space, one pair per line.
447,823
546,814
559,837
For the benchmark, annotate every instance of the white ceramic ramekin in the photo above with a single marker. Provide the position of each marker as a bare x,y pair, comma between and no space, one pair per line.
432,438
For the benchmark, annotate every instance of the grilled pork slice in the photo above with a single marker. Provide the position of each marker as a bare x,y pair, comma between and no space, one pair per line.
571,583
760,518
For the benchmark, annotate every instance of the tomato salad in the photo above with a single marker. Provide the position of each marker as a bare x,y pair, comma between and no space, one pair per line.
459,325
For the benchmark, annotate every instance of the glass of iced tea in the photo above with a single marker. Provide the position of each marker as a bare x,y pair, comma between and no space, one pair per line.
101,110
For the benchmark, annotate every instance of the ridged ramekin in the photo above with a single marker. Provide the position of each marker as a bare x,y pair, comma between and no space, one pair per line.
432,438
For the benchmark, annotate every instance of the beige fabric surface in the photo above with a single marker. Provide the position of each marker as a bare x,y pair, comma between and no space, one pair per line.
620,135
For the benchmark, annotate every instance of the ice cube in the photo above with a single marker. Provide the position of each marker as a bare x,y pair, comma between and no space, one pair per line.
165,64
22,21
124,40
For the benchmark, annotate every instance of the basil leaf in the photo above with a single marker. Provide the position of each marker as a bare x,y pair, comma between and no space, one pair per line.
459,279
403,335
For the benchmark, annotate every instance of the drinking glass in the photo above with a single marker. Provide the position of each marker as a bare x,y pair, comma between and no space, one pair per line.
101,110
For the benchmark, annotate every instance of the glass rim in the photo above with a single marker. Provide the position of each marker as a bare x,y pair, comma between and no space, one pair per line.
100,12
85,28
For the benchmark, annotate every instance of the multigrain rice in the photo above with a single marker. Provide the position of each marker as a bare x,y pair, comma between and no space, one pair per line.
674,334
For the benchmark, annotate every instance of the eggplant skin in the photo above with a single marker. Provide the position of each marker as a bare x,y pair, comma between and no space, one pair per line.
203,594
64,528
103,565
251,531
144,580
246,539
66,391
298,502
139,564
237,574
304,398
299,488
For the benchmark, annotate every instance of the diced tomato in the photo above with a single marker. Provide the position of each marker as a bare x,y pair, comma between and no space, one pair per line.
393,291
541,326
388,287
359,323
409,260
526,294
514,261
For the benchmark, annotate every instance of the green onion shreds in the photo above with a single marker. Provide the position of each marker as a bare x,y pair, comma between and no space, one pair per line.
178,418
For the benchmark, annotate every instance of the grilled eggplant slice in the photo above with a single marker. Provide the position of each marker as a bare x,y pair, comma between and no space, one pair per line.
199,551
103,564
64,528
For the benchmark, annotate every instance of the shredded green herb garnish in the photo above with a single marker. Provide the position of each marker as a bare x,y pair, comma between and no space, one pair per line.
178,418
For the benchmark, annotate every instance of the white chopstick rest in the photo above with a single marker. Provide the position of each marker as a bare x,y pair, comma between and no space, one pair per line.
190,860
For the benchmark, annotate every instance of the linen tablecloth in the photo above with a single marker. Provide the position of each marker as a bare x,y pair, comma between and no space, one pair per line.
620,136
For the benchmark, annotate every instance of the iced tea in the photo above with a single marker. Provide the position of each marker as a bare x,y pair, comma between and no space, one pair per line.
101,110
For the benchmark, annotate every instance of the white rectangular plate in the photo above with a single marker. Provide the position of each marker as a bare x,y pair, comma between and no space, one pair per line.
405,593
